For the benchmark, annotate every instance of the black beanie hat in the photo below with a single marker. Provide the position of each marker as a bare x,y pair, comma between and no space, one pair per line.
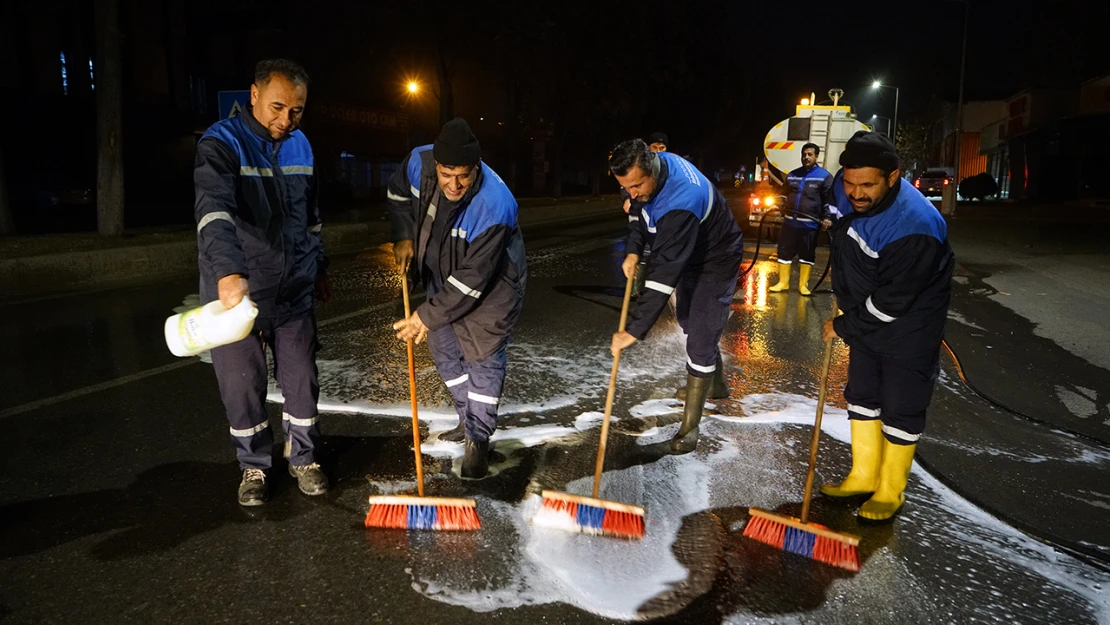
456,145
870,149
657,137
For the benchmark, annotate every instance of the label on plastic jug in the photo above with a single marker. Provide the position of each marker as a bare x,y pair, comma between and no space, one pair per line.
189,329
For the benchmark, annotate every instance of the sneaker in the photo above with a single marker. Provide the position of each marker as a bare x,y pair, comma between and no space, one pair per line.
252,490
310,479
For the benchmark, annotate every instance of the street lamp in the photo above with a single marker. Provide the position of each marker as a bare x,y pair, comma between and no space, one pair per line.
874,117
413,87
894,131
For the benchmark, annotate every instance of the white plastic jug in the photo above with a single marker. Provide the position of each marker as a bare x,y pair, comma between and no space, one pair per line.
200,329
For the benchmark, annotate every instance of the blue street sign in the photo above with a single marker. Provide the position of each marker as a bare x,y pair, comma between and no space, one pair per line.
231,103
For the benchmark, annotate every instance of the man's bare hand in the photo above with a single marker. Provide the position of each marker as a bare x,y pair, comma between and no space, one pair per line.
621,340
629,265
826,224
411,328
232,289
828,333
403,253
627,205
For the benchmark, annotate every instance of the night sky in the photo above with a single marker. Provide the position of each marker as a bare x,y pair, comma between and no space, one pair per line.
714,75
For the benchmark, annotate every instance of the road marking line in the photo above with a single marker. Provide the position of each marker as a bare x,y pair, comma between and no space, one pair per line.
173,366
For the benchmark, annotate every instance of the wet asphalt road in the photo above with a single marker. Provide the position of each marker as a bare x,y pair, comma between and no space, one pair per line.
118,503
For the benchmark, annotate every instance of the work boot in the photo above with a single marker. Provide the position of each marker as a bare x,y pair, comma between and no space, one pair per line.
475,463
867,455
310,479
719,388
455,435
893,475
803,279
784,279
252,490
686,440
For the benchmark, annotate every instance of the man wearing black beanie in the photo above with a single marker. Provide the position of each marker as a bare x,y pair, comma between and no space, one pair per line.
453,216
892,271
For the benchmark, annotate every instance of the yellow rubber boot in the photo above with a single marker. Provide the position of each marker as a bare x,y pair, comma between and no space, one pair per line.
867,456
784,279
803,279
893,475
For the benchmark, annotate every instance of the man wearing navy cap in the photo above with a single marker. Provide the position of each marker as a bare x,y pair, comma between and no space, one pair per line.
453,216
892,271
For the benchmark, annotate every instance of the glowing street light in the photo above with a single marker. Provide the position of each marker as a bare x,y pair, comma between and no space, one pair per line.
413,87
894,131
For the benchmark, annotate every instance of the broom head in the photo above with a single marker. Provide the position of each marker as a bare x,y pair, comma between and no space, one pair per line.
809,540
586,515
422,513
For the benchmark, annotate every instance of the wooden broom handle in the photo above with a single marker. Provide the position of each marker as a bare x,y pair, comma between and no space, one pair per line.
612,389
412,394
817,425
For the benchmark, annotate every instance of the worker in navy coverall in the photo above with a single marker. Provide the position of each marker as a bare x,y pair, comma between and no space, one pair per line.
258,232
454,228
810,205
696,251
892,270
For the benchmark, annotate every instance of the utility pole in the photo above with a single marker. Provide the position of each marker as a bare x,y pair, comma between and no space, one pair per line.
960,104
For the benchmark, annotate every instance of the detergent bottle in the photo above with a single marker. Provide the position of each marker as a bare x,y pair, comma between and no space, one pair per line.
200,329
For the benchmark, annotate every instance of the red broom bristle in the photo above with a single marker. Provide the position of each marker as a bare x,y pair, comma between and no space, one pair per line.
561,505
766,531
836,553
387,515
457,518
623,524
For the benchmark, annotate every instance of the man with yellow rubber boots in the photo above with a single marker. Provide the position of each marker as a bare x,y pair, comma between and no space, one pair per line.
892,271
809,205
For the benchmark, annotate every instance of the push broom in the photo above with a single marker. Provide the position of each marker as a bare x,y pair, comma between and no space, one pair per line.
420,512
590,515
798,535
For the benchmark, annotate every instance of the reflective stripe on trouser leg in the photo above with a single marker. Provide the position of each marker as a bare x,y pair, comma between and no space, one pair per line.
241,372
907,391
451,367
487,376
295,365
706,305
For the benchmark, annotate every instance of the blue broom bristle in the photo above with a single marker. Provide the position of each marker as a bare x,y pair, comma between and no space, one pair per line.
422,517
590,517
799,542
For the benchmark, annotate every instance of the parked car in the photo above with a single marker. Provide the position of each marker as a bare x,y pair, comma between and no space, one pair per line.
979,187
932,182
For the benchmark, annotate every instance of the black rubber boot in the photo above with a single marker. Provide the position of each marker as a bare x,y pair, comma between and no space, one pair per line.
475,463
456,435
719,390
686,440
